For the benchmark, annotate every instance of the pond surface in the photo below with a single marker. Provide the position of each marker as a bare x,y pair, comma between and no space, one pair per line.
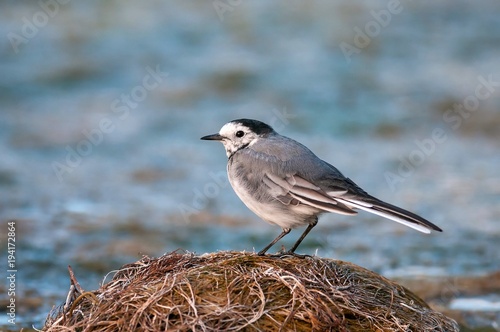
102,105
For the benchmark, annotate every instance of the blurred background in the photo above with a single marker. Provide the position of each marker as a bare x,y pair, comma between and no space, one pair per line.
102,105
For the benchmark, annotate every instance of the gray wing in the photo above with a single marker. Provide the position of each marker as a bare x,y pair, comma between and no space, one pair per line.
293,189
294,175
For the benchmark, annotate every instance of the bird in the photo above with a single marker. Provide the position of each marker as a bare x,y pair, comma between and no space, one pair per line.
286,184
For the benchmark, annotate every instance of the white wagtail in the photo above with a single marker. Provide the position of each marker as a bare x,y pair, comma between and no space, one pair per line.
286,184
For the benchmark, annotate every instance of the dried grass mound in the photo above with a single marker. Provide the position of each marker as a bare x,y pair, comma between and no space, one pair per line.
235,291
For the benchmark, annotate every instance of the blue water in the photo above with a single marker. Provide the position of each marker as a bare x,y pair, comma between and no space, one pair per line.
103,104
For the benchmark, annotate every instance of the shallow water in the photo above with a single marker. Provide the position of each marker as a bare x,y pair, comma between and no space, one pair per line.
102,108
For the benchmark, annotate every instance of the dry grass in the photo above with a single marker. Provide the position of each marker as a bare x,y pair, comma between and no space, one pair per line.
234,291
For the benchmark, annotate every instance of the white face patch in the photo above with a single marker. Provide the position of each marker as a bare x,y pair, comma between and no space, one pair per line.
236,136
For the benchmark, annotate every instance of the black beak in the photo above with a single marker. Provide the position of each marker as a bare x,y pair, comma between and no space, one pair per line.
214,137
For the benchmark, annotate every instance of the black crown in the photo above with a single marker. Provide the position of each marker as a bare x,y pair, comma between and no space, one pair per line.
258,127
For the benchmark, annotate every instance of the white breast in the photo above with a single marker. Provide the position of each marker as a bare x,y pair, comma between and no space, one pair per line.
274,212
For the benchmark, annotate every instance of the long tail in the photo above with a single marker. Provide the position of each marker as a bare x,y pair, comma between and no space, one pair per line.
392,212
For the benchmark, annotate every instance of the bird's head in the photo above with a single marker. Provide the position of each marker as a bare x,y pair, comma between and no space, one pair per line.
239,134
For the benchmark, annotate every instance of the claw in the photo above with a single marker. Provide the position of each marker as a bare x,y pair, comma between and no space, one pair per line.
283,253
291,253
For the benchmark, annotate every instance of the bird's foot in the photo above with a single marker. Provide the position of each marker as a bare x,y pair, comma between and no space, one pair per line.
283,253
291,253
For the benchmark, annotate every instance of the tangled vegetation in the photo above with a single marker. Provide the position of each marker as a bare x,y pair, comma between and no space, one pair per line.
235,291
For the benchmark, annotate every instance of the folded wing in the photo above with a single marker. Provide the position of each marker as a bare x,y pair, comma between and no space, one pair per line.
340,196
295,190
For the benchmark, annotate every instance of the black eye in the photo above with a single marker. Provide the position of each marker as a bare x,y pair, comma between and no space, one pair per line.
240,133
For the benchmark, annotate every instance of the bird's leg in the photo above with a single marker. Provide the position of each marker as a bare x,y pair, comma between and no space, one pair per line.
285,232
308,229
